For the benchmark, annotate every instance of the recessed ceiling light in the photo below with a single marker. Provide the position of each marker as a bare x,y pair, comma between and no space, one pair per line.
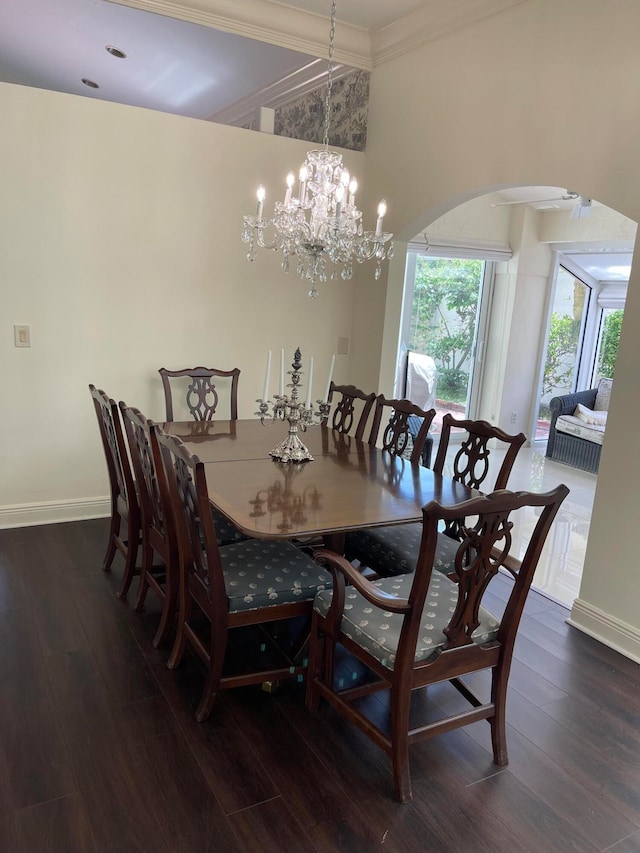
90,83
115,51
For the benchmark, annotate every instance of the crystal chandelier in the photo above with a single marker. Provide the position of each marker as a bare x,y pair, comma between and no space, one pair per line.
319,222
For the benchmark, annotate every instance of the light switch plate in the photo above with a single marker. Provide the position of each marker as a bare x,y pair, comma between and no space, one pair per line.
22,336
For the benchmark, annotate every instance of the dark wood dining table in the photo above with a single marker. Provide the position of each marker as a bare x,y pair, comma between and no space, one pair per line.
349,484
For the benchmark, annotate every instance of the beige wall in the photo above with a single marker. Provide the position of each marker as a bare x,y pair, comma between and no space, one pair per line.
120,247
513,101
113,219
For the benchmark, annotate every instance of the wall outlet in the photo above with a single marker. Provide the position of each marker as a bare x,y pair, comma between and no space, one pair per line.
514,416
22,336
343,346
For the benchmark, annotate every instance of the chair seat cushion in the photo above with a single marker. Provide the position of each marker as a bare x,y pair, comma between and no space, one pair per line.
393,550
589,416
226,532
378,631
571,425
262,573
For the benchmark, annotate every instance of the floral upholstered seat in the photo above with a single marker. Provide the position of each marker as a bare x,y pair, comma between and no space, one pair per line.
378,631
394,550
259,573
226,532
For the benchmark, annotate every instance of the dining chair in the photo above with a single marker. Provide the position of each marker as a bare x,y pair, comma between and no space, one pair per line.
200,389
393,550
255,582
124,530
406,427
159,535
344,413
423,628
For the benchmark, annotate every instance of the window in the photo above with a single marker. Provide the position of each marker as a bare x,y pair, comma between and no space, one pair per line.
585,318
444,320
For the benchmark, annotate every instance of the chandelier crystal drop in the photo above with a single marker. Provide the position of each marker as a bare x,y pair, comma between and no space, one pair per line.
318,223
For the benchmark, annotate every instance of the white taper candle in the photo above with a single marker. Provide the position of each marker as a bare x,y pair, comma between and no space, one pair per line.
326,393
282,373
310,383
265,394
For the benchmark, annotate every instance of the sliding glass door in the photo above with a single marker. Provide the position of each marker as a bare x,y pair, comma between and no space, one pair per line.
445,321
584,322
565,340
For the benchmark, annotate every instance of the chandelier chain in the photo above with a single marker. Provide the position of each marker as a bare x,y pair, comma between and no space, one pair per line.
327,103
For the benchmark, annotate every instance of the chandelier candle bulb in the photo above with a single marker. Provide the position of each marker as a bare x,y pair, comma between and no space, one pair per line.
291,179
309,383
265,394
353,186
326,393
261,196
382,209
303,183
339,195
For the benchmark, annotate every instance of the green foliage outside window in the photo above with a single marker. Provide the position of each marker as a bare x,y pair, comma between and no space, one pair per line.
561,349
443,320
610,341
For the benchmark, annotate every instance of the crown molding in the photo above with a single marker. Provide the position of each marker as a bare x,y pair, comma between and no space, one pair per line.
433,20
294,85
307,32
274,23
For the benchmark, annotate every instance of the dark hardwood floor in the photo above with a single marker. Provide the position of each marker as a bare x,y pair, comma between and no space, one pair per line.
99,749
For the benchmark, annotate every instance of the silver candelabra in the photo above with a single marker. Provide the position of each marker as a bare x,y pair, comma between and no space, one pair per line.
299,415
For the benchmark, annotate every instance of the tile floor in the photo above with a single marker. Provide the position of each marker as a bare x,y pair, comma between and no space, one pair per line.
560,568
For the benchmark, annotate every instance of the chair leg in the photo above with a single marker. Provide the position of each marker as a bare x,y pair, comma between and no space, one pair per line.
114,531
317,646
143,586
498,721
168,606
400,702
133,542
184,617
217,652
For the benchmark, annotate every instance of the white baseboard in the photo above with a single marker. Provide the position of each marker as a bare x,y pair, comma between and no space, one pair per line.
615,633
53,512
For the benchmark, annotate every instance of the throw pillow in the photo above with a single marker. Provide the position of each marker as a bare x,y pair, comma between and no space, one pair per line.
589,416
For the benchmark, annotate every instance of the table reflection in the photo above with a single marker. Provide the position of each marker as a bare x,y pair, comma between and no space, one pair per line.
281,498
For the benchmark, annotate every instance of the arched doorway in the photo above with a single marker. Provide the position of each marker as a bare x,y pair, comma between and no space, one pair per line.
532,227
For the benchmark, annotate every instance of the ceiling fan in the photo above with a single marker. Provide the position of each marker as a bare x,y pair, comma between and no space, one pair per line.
568,196
581,209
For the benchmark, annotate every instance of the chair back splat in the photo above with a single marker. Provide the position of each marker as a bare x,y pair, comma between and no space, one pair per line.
345,416
158,523
125,510
248,583
394,550
199,391
423,628
471,462
400,429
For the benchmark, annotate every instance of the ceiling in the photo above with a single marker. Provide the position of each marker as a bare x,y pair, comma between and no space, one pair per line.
171,65
199,58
